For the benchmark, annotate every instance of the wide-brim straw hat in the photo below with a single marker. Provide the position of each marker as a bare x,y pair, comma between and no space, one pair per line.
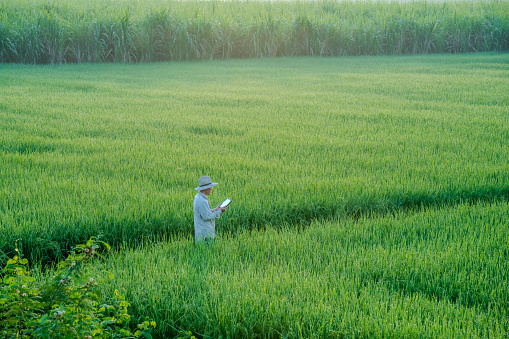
204,183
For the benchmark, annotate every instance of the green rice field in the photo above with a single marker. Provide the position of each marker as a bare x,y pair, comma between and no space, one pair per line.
117,149
438,273
370,193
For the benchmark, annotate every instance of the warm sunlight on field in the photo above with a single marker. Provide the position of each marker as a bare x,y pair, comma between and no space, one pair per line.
365,153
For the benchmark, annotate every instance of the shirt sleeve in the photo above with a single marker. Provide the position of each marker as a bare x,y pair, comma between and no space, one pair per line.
205,211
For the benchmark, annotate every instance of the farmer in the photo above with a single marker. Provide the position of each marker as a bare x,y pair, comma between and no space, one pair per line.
204,216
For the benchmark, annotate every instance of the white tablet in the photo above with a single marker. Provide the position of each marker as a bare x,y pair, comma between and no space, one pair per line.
225,203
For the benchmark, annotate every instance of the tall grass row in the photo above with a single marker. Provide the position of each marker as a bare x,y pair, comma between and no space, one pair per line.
62,32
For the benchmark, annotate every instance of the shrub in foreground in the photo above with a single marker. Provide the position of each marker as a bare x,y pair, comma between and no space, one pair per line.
68,305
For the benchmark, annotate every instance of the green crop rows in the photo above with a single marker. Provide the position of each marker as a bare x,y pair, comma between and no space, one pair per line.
117,149
440,273
369,193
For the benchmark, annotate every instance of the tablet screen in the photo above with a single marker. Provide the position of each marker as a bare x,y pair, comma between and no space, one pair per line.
225,203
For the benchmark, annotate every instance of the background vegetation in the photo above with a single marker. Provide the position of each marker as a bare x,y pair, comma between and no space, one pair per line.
118,149
49,32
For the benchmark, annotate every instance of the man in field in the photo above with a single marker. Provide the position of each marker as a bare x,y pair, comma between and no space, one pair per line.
204,216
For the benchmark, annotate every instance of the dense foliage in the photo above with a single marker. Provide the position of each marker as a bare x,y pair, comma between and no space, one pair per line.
52,32
69,304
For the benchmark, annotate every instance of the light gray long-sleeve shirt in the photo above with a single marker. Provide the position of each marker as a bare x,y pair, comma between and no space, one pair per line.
204,218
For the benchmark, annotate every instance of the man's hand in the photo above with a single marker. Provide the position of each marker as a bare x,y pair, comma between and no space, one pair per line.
221,208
